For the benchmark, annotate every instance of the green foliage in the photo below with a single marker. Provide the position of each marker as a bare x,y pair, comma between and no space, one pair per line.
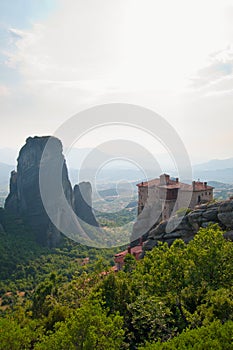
14,336
216,305
41,300
129,263
215,336
116,293
193,282
118,218
211,257
24,263
151,319
88,328
174,298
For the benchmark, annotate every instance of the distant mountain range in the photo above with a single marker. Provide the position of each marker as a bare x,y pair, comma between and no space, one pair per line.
215,170
215,164
220,185
220,170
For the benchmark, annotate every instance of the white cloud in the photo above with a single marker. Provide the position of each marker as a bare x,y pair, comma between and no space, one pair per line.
216,78
90,52
219,68
155,45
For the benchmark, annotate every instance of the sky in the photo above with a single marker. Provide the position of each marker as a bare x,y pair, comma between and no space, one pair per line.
59,57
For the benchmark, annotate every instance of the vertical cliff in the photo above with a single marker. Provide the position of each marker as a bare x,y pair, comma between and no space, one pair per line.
83,203
24,199
12,201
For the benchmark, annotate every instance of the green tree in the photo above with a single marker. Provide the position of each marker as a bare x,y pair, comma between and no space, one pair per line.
13,336
129,263
216,336
87,329
151,319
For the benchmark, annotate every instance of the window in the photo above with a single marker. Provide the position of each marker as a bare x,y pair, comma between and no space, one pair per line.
206,193
209,193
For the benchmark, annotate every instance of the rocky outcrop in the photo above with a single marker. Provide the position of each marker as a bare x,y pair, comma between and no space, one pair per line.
12,200
225,214
25,200
83,203
2,221
146,221
185,229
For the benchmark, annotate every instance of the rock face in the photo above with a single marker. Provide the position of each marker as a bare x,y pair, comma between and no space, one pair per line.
146,221
25,200
83,203
12,199
2,221
219,212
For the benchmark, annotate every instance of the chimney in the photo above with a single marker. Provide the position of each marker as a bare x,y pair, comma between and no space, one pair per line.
194,185
177,180
129,249
205,184
164,179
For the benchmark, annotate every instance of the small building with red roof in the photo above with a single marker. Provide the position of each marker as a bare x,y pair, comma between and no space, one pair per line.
119,258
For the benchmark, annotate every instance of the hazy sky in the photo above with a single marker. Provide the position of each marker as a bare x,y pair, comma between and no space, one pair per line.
175,57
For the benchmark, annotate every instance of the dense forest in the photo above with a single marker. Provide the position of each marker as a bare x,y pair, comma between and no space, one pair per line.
178,297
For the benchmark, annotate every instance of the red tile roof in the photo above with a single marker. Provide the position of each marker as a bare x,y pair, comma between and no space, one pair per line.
133,250
154,182
200,186
173,184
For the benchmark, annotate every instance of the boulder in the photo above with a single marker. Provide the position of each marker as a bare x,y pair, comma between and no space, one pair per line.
211,214
175,223
204,215
225,213
195,216
228,235
158,230
206,224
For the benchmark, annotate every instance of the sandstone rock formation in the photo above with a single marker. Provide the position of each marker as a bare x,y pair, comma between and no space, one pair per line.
146,221
12,199
218,212
83,203
2,221
25,200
